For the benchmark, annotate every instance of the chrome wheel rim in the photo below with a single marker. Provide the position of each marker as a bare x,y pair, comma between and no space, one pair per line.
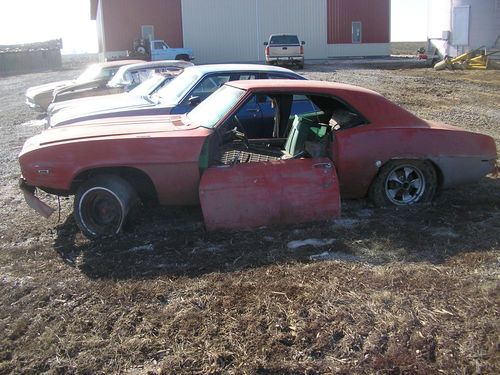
404,185
101,211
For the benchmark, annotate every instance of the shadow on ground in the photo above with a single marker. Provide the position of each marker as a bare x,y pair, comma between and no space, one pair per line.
173,242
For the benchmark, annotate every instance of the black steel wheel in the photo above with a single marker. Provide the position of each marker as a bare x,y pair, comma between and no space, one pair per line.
102,204
404,182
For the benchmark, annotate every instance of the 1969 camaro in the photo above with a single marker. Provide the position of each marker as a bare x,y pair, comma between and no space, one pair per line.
352,142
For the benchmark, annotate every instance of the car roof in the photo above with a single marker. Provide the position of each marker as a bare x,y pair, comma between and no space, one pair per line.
213,68
110,64
286,84
375,107
154,64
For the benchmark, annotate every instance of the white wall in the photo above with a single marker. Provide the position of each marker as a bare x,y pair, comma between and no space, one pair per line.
484,22
361,49
439,17
235,30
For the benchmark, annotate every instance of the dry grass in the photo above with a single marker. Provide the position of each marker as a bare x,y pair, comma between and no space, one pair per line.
406,48
406,291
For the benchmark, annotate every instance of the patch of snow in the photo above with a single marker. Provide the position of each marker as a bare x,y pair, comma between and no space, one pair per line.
365,212
333,256
316,242
214,249
444,232
148,247
33,123
346,223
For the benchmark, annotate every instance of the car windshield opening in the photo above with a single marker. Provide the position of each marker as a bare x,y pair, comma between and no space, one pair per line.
89,74
146,87
215,107
177,88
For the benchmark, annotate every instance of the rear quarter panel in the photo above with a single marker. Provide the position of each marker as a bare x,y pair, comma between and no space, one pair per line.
459,156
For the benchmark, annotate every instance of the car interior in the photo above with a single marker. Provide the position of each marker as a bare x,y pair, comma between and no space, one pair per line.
305,135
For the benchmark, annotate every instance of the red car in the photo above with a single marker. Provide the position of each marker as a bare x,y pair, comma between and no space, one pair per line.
353,142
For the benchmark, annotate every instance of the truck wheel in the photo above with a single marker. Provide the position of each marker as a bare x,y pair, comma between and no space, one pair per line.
404,182
182,57
101,206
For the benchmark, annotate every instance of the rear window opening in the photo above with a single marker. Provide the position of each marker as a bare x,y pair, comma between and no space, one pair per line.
284,39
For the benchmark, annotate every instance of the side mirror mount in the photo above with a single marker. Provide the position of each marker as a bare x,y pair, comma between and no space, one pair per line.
266,43
302,42
194,101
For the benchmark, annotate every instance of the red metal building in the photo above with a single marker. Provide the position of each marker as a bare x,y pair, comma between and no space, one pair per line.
120,22
234,30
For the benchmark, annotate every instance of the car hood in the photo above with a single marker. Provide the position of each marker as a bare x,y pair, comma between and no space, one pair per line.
78,86
47,88
118,127
110,106
88,101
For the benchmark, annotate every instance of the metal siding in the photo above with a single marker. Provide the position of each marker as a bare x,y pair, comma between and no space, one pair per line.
235,30
306,18
483,24
359,49
220,31
374,16
123,19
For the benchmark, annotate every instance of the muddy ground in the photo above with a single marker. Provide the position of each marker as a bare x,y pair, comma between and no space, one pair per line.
389,291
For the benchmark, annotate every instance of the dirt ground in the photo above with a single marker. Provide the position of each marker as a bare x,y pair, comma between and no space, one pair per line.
386,291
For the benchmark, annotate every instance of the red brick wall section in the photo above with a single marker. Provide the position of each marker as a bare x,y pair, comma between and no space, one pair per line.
123,20
373,14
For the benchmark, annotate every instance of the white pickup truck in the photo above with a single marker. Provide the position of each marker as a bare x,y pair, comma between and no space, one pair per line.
285,49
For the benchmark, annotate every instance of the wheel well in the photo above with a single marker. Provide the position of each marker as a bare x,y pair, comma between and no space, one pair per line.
139,180
439,173
182,56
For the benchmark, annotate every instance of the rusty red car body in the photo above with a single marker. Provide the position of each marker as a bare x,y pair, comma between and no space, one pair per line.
376,147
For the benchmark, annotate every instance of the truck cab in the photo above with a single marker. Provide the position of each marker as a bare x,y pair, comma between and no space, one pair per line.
157,50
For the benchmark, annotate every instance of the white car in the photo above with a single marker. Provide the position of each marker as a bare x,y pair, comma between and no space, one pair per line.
130,76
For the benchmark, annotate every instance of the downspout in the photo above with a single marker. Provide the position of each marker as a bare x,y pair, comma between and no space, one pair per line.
100,27
257,28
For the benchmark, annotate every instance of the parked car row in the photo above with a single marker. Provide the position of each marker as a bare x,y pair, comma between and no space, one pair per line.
253,145
101,79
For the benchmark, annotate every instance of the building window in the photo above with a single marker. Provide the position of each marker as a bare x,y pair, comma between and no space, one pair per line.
356,32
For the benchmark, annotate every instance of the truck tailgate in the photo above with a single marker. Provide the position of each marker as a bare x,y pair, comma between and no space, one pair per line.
284,50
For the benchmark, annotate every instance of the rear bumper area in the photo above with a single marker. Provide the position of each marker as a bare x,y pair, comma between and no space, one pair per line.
285,59
34,202
463,170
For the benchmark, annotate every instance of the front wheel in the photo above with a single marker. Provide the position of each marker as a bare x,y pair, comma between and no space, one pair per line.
404,182
101,206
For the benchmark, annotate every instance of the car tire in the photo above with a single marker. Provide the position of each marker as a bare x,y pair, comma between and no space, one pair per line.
102,204
404,182
182,57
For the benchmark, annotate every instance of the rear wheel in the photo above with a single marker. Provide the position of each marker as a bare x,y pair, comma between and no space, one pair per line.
404,182
182,57
102,204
